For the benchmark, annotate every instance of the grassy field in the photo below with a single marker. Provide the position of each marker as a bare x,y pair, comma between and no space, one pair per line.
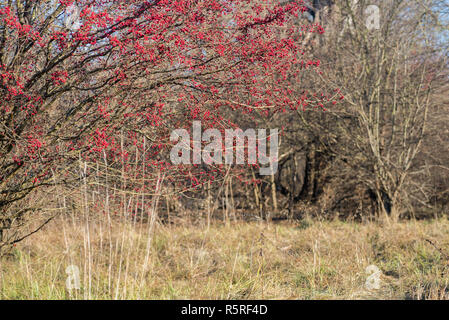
306,260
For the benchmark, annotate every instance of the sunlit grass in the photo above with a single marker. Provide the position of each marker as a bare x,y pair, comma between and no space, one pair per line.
323,260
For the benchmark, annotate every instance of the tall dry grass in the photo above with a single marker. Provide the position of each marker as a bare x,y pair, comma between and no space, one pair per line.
310,260
122,250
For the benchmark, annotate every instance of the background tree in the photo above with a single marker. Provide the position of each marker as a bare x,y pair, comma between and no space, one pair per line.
391,82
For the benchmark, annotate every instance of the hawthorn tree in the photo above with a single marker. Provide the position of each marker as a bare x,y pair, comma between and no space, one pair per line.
123,74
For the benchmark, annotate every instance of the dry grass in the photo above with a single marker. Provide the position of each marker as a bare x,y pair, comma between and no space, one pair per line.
310,260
